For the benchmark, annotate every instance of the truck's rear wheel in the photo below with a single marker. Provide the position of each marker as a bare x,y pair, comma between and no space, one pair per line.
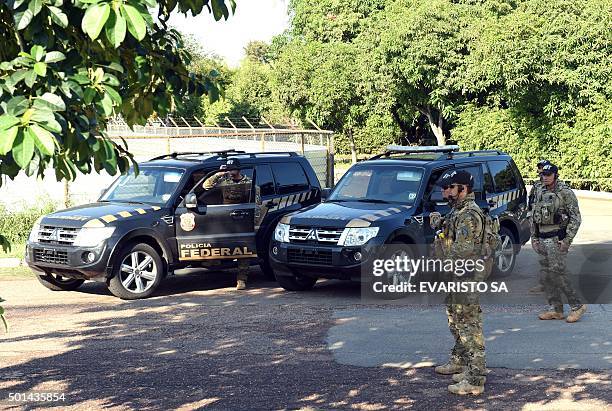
56,282
296,283
138,272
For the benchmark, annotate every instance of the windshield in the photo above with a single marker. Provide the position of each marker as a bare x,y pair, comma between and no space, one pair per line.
378,184
153,185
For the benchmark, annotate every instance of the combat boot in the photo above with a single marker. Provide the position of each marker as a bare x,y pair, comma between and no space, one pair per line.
575,315
462,376
450,367
465,388
538,289
551,315
240,285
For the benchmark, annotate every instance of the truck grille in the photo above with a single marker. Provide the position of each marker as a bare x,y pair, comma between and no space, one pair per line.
323,257
51,256
314,235
57,235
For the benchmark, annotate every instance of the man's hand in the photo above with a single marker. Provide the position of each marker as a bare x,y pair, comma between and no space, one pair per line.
535,244
563,246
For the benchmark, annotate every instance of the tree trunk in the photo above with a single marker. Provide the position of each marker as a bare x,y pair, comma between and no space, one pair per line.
436,123
352,144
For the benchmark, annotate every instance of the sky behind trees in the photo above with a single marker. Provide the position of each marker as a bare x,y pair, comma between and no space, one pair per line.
254,20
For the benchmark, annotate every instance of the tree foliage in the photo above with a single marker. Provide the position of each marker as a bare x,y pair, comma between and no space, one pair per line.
531,77
67,66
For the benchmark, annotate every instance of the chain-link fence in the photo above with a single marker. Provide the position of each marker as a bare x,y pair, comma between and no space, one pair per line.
165,136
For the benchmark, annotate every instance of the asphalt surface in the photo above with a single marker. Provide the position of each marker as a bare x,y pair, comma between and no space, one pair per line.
200,344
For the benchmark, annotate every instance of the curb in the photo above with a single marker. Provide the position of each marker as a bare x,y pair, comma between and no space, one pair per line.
597,195
10,262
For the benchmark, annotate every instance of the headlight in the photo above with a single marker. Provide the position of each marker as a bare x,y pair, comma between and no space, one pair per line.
92,236
281,233
357,236
33,238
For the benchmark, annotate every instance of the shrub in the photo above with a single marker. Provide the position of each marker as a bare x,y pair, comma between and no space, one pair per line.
16,225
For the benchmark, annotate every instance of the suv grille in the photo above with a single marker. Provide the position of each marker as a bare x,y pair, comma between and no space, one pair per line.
323,257
57,235
50,256
314,235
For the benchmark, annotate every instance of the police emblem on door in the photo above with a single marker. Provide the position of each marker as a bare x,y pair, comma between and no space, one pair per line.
188,221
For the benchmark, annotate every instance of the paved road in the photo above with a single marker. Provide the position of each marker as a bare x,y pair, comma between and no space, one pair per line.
201,344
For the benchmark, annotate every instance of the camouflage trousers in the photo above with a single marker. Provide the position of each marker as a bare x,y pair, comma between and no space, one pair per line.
242,271
554,275
465,324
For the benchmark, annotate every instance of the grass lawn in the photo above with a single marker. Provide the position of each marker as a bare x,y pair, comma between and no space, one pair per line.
17,251
16,273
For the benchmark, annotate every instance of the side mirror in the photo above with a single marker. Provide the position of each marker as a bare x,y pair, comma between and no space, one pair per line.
191,201
325,192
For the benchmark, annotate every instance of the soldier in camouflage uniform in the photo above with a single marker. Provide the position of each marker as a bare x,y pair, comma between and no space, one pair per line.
555,220
537,186
465,224
236,189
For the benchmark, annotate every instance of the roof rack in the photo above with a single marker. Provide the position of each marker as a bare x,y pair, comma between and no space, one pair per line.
263,153
223,153
476,153
394,149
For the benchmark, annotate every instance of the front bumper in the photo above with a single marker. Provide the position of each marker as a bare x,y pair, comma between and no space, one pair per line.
317,261
68,261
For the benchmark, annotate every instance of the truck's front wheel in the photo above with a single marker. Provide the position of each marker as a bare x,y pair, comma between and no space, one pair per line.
296,283
138,272
58,283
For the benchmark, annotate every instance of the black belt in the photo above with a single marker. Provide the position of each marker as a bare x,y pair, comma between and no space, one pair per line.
557,233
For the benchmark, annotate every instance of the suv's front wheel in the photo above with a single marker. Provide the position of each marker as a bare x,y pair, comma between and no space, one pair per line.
505,255
138,272
56,282
296,283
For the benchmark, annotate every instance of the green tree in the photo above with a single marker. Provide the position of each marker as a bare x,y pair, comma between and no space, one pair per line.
67,66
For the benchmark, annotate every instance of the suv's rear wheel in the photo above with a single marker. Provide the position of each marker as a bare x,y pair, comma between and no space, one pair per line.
56,282
505,255
296,283
138,272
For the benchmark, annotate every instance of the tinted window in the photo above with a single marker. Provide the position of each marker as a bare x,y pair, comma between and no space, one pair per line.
376,183
503,176
265,180
290,178
436,190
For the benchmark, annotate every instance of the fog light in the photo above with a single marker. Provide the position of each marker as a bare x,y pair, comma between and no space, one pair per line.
88,257
275,250
357,256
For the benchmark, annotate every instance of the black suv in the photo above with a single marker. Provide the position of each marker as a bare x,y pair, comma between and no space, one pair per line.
162,219
388,199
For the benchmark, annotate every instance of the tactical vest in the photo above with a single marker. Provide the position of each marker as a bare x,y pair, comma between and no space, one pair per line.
547,209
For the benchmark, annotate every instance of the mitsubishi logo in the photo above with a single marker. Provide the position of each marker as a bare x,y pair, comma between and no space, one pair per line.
54,236
312,235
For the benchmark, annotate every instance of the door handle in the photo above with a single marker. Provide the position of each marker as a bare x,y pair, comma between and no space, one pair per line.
237,214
